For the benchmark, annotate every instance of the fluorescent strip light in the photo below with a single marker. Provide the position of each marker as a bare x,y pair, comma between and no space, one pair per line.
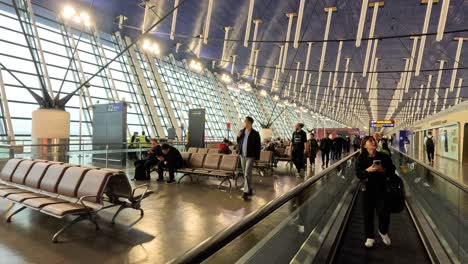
299,24
249,23
442,19
362,20
423,38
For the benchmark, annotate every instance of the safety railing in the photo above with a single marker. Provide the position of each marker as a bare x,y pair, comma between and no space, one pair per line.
442,202
278,231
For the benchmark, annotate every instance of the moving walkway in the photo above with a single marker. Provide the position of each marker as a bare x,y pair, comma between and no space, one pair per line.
321,221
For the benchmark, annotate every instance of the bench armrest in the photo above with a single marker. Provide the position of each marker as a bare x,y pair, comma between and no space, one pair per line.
144,193
84,197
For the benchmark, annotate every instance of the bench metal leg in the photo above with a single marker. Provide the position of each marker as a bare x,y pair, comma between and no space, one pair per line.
74,221
15,212
118,212
183,176
228,180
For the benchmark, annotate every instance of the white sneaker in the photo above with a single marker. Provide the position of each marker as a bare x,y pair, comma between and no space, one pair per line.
369,242
386,239
300,228
298,175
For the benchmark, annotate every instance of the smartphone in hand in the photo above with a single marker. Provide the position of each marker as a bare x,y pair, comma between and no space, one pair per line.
377,163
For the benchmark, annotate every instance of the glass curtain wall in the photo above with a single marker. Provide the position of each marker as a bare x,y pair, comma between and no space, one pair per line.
135,77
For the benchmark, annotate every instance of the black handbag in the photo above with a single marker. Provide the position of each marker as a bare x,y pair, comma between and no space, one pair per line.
395,200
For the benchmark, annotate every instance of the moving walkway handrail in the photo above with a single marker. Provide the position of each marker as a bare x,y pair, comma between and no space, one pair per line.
443,176
222,238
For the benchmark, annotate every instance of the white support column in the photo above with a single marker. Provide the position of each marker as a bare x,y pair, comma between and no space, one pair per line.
337,65
174,19
428,86
413,54
249,23
329,11
6,115
298,66
457,99
206,31
306,66
455,62
257,22
375,5
439,77
233,63
362,20
445,99
156,77
442,19
423,37
403,79
299,24
145,95
286,44
39,47
226,37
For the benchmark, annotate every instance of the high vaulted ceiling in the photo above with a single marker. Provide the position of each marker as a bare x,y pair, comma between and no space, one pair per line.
395,18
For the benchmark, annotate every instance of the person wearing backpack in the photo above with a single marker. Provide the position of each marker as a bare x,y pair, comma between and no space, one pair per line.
429,142
374,169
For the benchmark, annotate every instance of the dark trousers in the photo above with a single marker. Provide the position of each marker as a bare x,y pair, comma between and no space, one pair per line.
148,163
312,156
170,168
338,153
373,206
355,147
325,156
298,160
430,154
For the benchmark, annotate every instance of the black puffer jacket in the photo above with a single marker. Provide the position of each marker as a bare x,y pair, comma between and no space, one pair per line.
254,144
376,182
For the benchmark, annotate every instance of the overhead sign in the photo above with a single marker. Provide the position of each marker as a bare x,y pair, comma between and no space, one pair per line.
382,123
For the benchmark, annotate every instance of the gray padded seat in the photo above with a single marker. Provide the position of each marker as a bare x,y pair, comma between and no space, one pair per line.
227,167
211,163
8,170
67,187
91,186
32,182
18,177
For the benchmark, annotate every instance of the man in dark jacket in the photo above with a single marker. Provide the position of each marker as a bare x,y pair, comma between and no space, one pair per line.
313,149
172,160
325,146
248,148
298,147
152,158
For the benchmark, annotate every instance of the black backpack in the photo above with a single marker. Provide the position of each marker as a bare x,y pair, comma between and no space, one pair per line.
395,200
429,143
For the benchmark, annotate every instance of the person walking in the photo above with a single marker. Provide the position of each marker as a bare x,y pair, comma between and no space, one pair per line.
348,144
298,148
313,149
249,146
325,146
373,168
356,143
430,148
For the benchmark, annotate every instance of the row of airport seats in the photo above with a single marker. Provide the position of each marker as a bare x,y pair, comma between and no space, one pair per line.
59,190
220,165
203,150
210,165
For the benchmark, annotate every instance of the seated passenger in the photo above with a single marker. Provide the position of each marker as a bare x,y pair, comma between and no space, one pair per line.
171,160
151,159
223,148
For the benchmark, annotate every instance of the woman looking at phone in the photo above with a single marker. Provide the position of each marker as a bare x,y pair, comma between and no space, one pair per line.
373,167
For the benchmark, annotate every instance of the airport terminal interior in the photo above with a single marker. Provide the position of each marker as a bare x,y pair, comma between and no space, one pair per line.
233,131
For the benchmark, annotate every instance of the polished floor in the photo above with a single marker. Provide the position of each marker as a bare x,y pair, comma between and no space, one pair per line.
177,218
449,167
